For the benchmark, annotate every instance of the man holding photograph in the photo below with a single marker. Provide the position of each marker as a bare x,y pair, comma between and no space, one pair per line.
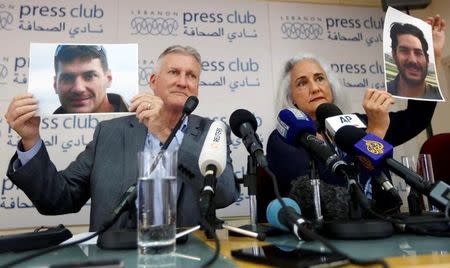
410,53
108,165
81,79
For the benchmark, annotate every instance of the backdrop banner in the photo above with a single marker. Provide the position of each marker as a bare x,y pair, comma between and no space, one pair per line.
243,45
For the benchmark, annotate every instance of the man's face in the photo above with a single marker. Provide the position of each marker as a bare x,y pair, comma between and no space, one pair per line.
176,80
81,86
410,59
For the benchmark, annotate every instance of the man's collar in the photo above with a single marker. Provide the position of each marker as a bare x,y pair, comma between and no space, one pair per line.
397,88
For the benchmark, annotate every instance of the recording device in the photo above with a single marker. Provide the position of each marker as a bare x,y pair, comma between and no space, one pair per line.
289,256
243,124
288,217
374,153
127,199
212,162
331,118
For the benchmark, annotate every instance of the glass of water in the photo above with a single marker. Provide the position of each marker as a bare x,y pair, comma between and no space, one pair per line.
425,169
156,202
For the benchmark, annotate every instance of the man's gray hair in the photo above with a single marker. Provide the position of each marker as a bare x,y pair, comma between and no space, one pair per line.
177,49
284,94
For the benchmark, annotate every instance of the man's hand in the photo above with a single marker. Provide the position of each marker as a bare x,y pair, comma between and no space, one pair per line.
21,117
377,103
438,30
149,111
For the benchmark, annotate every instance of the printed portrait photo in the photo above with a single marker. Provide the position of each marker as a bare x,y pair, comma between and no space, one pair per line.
83,78
410,69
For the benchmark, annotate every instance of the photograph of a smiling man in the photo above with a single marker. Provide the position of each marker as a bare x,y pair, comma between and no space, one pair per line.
86,78
410,69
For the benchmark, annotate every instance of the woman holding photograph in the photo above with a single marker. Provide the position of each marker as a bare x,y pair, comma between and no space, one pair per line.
307,82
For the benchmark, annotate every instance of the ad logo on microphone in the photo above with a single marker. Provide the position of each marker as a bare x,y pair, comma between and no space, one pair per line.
217,137
299,115
371,150
282,127
374,147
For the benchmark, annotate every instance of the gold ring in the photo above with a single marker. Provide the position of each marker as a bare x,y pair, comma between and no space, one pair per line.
149,106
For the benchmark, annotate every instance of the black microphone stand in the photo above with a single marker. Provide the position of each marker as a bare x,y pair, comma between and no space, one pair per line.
208,213
215,223
249,180
357,227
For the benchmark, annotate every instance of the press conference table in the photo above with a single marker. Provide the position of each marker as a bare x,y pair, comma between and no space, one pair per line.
399,250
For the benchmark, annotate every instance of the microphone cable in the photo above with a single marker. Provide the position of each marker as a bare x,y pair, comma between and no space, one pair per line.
312,235
211,230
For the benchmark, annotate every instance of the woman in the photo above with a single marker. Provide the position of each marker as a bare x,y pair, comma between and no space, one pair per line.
306,83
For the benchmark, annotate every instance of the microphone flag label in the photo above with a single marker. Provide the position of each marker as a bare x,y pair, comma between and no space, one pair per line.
282,128
372,150
334,123
291,123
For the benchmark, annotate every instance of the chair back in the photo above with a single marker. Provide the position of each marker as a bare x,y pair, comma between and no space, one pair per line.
438,147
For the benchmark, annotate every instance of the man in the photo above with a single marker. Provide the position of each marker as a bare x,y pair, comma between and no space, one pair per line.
81,79
108,165
410,52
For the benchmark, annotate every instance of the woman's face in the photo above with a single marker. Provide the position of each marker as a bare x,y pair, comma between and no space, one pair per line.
310,86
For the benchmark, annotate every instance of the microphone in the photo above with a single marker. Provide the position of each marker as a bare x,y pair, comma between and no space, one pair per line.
331,119
127,199
287,218
373,152
297,128
189,106
243,124
212,162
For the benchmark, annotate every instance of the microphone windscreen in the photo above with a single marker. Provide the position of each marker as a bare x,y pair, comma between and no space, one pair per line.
324,111
190,105
347,136
291,123
334,199
274,208
214,150
239,117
